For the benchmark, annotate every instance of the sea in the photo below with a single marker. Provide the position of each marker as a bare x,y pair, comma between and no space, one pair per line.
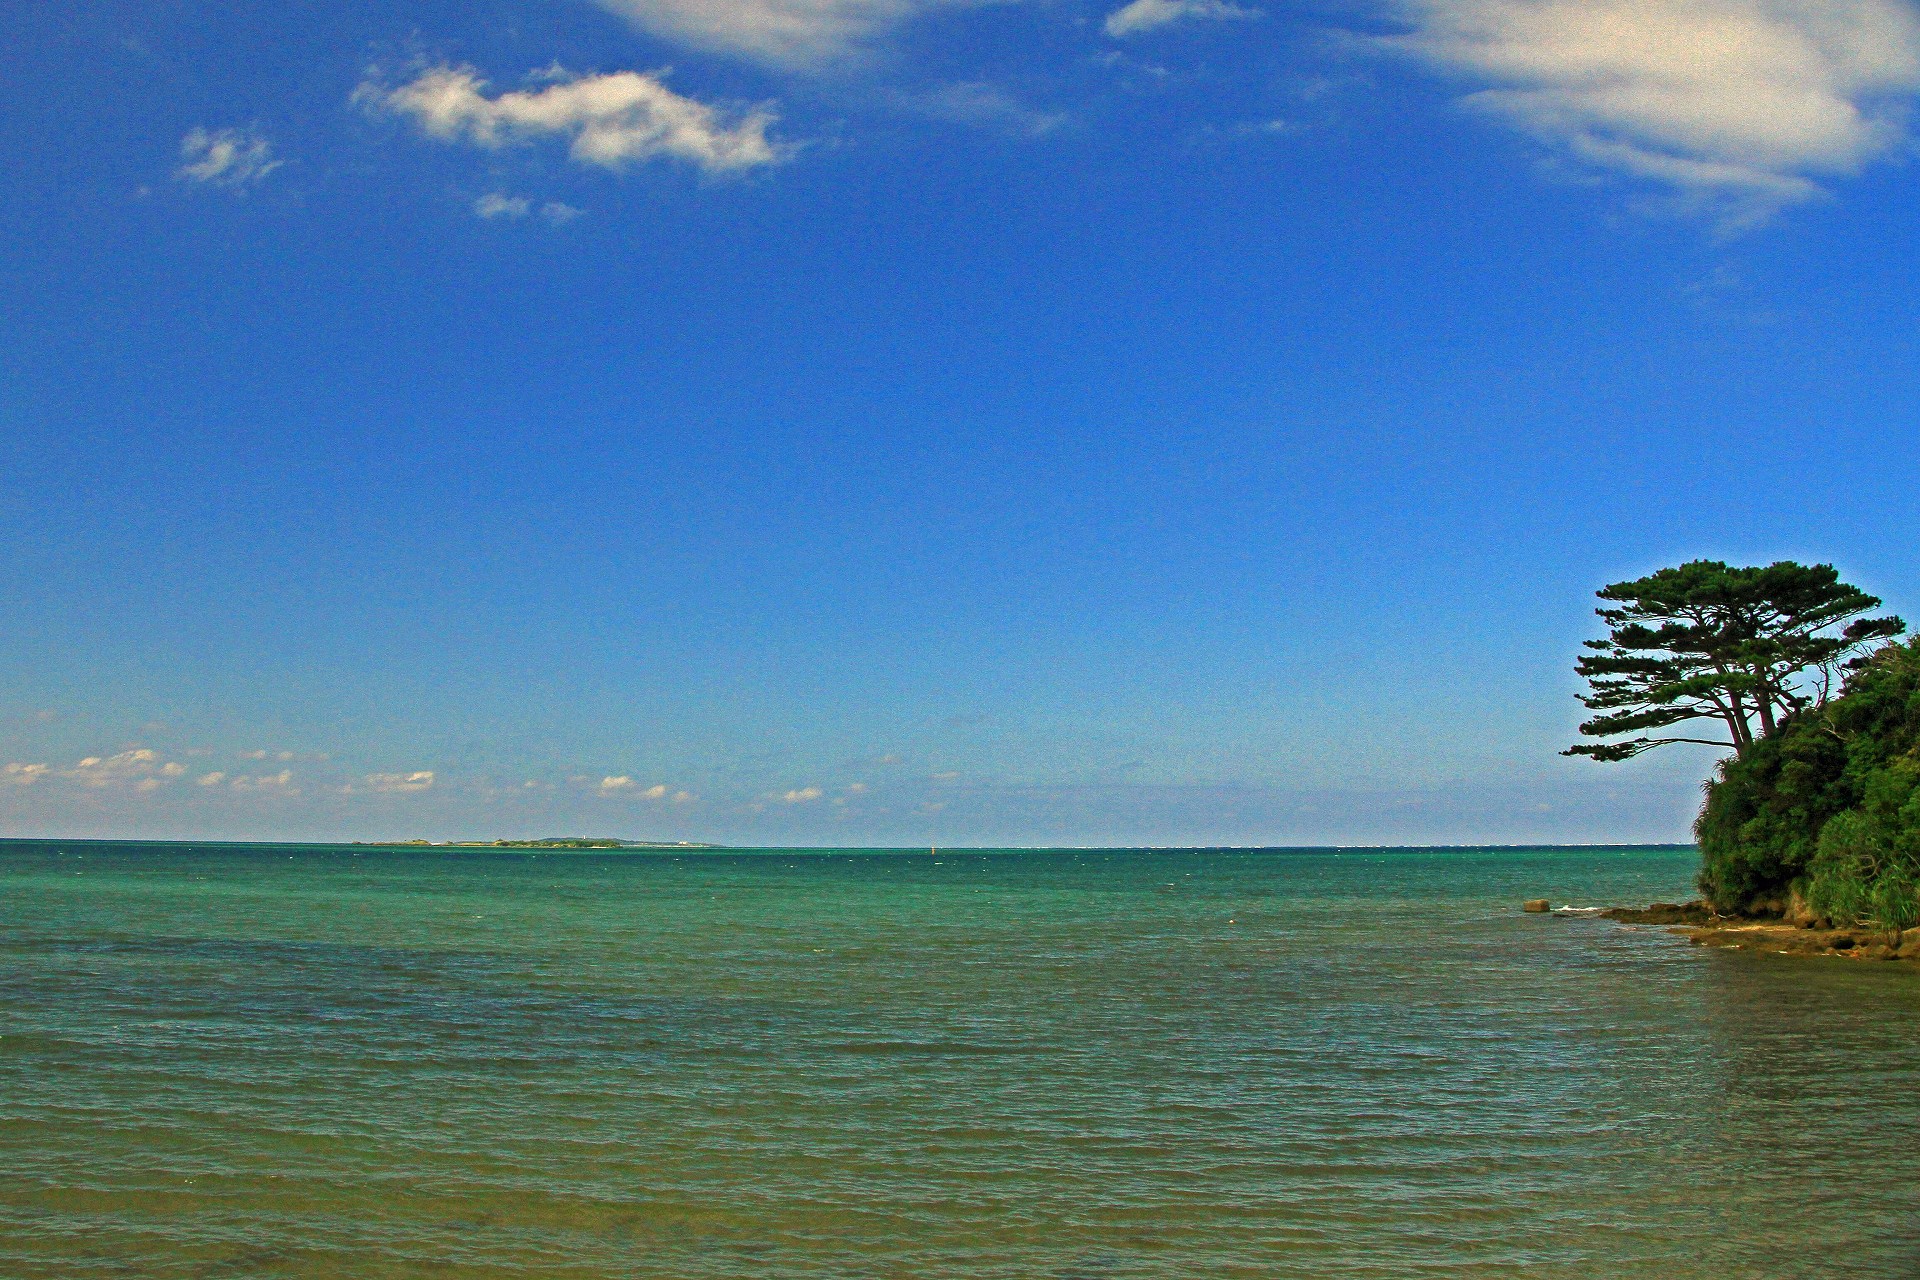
359,1063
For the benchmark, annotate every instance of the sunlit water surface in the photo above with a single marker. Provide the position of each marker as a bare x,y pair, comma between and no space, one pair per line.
301,1062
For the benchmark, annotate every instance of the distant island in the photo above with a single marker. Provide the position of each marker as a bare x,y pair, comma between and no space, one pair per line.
544,842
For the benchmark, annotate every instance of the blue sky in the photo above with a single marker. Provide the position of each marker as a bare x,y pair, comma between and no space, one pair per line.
879,421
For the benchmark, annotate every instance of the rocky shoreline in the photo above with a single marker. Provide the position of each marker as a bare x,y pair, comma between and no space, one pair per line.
1788,931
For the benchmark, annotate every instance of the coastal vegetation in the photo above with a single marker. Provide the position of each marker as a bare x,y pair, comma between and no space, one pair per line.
547,842
1815,813
1828,807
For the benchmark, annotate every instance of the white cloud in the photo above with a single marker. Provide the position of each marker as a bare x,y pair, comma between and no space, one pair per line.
213,779
1735,104
656,792
802,795
612,120
494,205
798,33
395,783
611,784
560,214
1145,15
684,797
24,775
225,157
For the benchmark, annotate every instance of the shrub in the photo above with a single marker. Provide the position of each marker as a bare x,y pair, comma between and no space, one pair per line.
1867,867
1832,798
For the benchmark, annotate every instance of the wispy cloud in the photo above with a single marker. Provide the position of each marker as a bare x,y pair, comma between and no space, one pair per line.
122,768
280,783
621,784
493,206
1146,15
400,783
979,103
497,206
802,795
1735,105
137,769
795,33
612,120
226,157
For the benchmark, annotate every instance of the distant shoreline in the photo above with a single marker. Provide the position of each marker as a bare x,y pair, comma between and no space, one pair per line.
578,843
641,846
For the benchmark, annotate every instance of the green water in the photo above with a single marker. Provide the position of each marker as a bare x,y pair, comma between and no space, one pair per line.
298,1062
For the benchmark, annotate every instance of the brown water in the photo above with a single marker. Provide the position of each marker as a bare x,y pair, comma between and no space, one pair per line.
283,1062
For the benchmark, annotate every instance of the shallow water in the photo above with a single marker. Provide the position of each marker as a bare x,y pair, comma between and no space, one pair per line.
302,1062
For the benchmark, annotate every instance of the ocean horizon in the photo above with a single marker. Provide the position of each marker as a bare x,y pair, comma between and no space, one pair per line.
509,844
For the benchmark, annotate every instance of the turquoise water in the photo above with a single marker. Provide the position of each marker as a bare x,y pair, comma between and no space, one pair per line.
301,1062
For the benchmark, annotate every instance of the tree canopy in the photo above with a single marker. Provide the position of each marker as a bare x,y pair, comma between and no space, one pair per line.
1743,649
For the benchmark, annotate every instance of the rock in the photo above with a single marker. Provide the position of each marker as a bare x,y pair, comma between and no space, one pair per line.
1842,942
1909,945
1662,913
1537,906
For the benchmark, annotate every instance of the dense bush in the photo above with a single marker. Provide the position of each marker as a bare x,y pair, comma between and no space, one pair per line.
1867,864
1829,803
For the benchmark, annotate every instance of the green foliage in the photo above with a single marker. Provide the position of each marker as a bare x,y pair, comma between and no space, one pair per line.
1867,865
1742,648
1831,799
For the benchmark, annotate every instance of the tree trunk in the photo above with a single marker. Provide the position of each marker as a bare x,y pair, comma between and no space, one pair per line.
1737,723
